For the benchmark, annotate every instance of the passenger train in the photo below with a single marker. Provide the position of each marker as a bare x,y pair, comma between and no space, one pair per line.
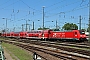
77,35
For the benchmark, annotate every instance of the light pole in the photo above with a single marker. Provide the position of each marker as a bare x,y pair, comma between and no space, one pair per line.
80,23
14,29
22,27
6,24
89,21
56,25
43,22
26,25
33,24
43,17
29,26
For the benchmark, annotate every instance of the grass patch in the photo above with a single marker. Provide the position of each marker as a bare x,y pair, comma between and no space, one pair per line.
18,52
2,38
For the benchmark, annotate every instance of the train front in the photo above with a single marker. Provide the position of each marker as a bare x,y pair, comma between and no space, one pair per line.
82,35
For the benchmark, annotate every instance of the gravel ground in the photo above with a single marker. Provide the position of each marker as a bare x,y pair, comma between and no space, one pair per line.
7,55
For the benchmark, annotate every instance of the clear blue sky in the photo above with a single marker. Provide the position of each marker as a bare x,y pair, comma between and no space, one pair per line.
18,11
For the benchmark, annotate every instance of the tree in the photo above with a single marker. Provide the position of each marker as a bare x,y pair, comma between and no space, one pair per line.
40,28
70,26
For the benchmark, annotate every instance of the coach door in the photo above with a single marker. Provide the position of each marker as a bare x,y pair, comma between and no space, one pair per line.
50,34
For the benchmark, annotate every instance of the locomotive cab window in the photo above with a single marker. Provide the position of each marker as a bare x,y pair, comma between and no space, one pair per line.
75,32
82,32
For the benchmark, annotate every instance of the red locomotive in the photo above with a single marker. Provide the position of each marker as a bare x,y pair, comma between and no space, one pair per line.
78,35
68,35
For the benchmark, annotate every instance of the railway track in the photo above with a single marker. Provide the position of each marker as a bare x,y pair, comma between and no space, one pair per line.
79,45
65,47
82,49
57,52
83,45
72,45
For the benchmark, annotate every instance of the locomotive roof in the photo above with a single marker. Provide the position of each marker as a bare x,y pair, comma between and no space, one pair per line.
68,30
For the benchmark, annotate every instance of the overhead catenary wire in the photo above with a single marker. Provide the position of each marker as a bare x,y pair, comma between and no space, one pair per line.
32,12
46,12
55,4
74,9
69,11
38,10
41,13
28,5
59,7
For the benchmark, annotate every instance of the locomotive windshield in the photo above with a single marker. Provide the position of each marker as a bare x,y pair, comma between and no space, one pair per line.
82,32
